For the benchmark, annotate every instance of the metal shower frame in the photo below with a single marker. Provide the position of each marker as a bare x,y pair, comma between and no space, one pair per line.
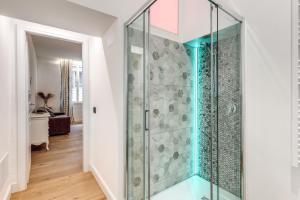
140,12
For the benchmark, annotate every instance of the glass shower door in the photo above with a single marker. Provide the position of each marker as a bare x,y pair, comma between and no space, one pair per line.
171,114
137,159
227,134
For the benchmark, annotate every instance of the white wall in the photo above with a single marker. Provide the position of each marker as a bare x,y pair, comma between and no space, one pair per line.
105,158
49,81
7,105
269,175
268,172
113,43
194,20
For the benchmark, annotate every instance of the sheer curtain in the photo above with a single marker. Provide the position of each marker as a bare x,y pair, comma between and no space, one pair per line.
71,86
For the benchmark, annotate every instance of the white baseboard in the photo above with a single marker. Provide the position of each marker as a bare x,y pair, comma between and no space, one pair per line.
15,188
7,193
108,193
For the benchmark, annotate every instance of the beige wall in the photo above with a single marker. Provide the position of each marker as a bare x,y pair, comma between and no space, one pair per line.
49,81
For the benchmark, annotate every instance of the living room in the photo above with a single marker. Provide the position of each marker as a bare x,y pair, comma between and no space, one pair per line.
55,106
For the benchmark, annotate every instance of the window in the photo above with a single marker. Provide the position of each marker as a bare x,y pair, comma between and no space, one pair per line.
77,82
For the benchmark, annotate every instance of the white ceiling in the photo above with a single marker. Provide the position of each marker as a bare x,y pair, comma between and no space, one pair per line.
118,8
53,49
59,13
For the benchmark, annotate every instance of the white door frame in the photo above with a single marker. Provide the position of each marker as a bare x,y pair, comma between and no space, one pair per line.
23,149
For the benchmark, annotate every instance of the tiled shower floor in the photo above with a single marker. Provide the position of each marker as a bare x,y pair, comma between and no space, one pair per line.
194,188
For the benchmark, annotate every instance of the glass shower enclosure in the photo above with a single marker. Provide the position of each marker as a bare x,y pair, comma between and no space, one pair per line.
184,103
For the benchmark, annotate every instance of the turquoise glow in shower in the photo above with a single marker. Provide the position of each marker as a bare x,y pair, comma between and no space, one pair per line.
193,54
195,50
199,52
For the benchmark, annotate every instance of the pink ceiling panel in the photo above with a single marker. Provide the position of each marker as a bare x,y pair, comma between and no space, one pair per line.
164,15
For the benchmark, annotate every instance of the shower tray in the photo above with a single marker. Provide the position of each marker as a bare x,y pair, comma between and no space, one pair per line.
194,188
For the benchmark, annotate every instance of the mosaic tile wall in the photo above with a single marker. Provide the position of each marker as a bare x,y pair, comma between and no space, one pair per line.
228,139
229,113
230,119
170,111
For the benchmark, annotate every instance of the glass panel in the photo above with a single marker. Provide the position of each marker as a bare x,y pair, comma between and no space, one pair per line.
171,97
184,107
229,129
136,143
147,107
203,61
214,103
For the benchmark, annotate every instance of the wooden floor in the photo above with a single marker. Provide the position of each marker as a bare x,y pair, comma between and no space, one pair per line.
57,174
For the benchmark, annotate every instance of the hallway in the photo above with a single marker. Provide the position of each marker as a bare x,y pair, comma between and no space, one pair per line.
57,174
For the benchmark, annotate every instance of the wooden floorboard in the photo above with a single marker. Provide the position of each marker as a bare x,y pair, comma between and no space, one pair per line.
57,174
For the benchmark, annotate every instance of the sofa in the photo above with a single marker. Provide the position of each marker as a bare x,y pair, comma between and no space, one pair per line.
59,124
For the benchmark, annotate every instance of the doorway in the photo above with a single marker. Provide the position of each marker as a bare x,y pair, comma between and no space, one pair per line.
25,96
55,107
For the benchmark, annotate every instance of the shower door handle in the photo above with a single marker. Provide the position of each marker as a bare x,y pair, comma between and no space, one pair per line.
146,117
